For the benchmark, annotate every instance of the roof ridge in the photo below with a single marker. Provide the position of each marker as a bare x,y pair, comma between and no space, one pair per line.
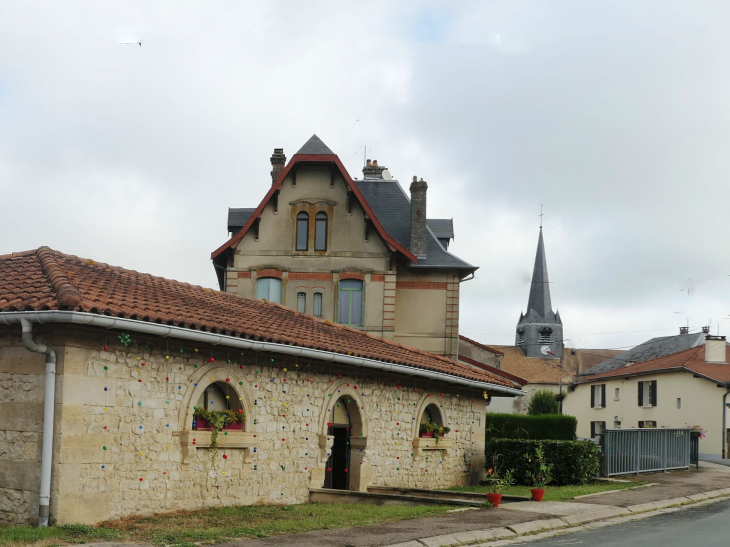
66,294
691,354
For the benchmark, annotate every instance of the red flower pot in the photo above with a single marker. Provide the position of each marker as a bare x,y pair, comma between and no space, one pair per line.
428,434
537,494
238,426
203,425
494,499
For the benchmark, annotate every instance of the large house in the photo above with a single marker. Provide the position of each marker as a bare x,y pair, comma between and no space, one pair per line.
686,387
359,252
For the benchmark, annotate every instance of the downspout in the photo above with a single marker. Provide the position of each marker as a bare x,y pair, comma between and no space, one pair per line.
724,419
48,411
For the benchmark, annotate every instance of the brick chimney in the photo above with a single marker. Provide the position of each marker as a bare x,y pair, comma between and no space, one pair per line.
715,349
372,170
278,159
418,217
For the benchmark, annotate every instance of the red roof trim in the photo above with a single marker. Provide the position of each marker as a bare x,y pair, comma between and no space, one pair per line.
494,370
351,185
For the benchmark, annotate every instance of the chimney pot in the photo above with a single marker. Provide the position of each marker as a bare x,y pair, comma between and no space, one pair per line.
683,330
368,163
375,163
706,330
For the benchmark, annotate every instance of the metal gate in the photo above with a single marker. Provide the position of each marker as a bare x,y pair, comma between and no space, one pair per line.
628,451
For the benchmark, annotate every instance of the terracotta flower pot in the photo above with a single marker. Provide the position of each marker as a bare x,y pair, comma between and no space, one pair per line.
428,434
203,425
494,499
537,494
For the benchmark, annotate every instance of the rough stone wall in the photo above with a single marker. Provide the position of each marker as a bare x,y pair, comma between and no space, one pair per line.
148,467
21,426
473,351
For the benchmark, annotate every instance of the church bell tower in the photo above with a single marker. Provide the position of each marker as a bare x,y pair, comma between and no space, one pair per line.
539,330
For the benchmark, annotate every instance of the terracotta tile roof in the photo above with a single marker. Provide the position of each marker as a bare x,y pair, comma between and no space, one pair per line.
49,280
689,360
535,371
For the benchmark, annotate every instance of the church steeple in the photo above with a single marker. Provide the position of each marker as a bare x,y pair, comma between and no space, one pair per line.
540,330
540,289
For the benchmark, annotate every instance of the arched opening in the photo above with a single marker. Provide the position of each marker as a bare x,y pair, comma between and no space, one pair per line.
345,422
218,397
432,422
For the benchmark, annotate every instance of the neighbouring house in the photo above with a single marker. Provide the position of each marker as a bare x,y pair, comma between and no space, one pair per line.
359,252
538,358
107,376
684,388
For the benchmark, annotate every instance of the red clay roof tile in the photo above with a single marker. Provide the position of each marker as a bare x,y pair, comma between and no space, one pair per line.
47,279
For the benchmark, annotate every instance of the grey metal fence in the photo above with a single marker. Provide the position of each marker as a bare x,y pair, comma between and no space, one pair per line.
628,451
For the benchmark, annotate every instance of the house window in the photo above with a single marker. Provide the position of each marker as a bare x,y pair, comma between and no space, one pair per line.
320,232
546,335
269,288
302,302
648,393
317,312
598,396
617,424
597,428
217,396
302,231
351,304
647,424
679,403
617,394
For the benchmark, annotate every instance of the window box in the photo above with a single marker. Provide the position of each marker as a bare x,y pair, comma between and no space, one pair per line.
192,440
202,425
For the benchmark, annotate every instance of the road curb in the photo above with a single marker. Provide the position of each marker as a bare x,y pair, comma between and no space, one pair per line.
539,529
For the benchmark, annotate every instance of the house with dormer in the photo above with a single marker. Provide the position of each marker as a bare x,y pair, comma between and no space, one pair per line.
360,252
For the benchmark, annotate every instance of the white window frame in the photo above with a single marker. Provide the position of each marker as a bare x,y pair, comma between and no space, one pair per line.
317,301
617,394
597,396
269,288
302,302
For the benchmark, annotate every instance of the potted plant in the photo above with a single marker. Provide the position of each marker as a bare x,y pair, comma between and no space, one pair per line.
497,480
541,473
209,420
432,430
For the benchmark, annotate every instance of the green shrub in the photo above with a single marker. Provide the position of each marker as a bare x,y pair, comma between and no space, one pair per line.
573,462
543,401
556,427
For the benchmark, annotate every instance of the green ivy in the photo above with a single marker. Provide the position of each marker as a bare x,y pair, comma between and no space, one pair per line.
571,462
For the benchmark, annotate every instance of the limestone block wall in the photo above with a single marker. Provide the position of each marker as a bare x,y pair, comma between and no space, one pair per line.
21,429
137,401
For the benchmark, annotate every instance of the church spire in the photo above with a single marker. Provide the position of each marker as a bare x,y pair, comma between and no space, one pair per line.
539,299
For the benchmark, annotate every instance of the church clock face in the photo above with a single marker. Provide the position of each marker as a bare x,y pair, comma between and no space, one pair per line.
544,350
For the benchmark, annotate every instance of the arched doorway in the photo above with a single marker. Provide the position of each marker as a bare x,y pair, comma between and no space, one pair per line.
344,421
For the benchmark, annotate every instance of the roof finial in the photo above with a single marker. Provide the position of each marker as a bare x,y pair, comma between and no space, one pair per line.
541,215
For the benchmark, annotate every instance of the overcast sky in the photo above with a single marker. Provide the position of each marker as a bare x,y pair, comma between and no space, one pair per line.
613,115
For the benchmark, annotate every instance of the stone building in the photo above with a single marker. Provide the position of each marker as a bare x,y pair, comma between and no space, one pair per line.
359,252
102,370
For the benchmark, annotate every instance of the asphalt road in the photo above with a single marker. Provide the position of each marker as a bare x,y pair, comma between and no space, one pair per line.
705,526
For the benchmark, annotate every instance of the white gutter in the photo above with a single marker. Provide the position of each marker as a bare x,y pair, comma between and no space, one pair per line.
49,401
156,329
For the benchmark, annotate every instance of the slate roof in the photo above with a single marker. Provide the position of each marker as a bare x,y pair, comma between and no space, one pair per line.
237,217
392,206
651,349
45,279
315,146
689,360
442,228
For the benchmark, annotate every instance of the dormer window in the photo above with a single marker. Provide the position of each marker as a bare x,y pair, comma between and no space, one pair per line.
320,231
302,231
546,335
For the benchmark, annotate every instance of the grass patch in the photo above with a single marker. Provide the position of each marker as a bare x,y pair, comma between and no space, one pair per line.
218,524
555,493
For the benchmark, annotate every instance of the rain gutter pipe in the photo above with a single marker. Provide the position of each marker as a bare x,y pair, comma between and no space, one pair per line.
49,400
724,419
156,329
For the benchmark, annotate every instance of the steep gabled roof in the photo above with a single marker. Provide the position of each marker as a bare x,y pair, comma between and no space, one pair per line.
45,279
321,154
539,300
689,360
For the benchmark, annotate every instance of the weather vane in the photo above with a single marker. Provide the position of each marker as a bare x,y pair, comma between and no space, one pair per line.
541,215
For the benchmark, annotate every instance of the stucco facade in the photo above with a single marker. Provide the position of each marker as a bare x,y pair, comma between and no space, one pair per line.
682,399
124,441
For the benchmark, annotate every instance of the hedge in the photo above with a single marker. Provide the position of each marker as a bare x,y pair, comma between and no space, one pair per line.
556,427
573,462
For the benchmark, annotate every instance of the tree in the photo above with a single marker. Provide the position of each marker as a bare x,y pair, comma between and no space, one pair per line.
543,402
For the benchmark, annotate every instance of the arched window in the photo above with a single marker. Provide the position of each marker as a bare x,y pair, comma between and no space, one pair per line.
351,303
302,231
269,288
302,302
317,311
320,232
432,423
218,396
